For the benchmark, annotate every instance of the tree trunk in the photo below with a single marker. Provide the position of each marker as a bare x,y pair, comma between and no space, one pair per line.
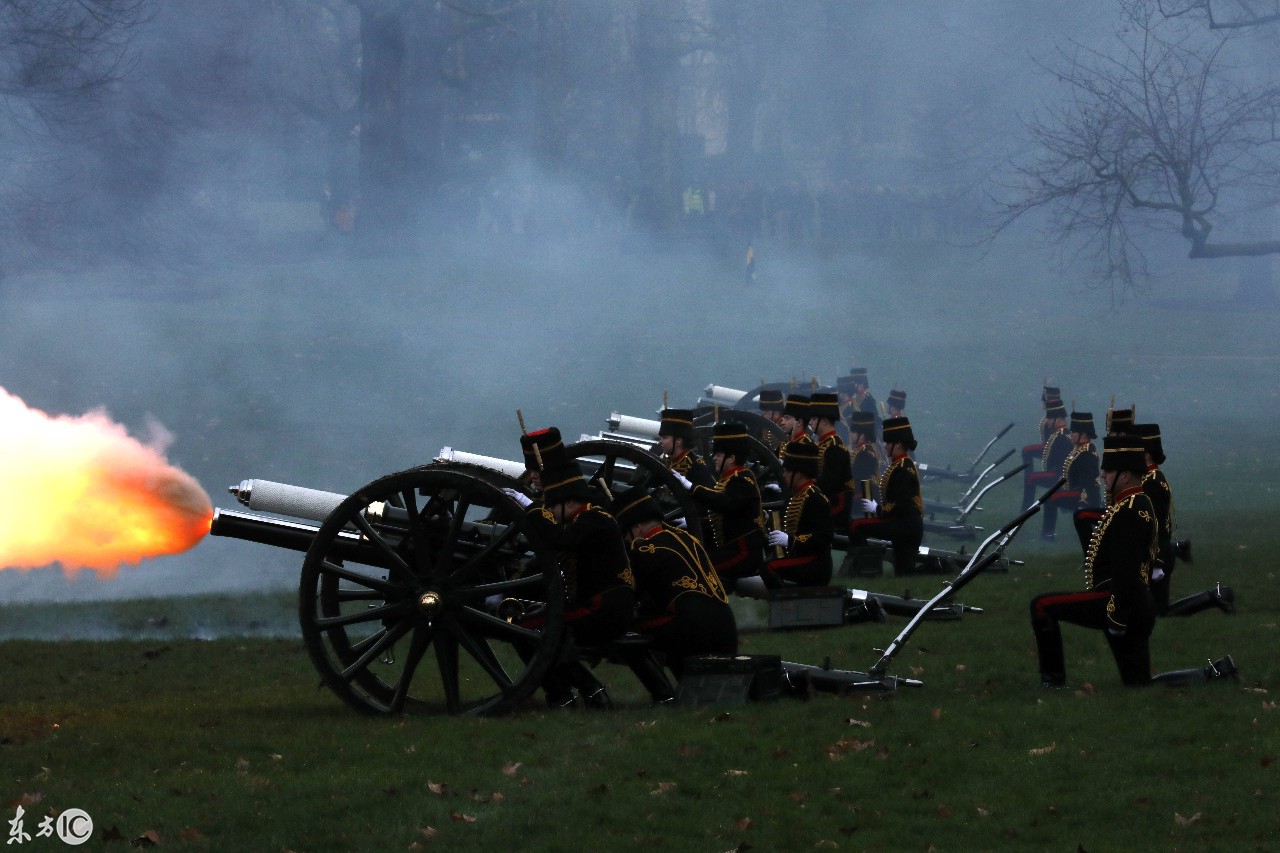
383,166
551,88
655,59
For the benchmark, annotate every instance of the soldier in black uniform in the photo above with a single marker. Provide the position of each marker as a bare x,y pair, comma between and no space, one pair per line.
898,513
1156,485
771,404
804,538
599,586
795,419
861,400
1056,449
864,456
540,447
1050,397
676,439
683,606
1082,493
1115,598
835,469
895,404
733,504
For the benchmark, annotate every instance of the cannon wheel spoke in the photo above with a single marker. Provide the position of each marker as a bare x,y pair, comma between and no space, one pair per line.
643,469
415,589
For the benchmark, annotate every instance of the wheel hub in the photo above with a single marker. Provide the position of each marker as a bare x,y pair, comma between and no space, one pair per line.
430,603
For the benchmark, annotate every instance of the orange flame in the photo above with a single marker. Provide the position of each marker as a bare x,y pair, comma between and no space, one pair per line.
81,492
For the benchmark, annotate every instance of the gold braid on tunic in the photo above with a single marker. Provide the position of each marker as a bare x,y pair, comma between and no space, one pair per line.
1048,444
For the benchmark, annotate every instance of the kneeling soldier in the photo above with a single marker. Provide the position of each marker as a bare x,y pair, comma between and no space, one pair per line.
1115,598
683,607
898,514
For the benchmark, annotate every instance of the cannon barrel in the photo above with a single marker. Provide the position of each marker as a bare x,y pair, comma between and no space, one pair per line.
633,426
293,535
505,466
724,395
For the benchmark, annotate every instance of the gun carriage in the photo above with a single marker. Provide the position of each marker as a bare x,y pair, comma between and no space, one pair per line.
430,590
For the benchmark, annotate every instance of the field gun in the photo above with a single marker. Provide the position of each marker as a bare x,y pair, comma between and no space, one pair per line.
413,587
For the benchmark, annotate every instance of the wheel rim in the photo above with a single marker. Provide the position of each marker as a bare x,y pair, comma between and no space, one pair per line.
394,612
622,466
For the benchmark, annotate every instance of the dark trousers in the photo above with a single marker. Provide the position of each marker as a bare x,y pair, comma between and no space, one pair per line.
699,626
1131,651
905,534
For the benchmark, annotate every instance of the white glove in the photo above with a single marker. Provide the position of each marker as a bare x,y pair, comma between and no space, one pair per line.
491,602
869,506
1157,574
771,487
1115,632
682,479
680,522
779,537
519,497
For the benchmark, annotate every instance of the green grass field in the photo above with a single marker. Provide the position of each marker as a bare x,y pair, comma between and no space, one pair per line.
231,744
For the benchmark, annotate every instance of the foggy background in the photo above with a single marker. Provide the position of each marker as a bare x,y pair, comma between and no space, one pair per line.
211,238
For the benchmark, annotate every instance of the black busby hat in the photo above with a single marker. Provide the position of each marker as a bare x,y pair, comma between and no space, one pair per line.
633,506
898,431
730,438
550,448
859,376
1082,422
677,423
896,400
1051,392
771,400
563,482
847,385
801,456
1150,435
1124,451
865,423
1120,420
797,406
824,405
1056,410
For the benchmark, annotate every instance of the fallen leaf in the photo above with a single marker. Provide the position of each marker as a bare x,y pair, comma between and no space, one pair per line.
945,811
275,756
799,796
645,724
735,773
743,823
826,844
190,833
936,713
497,797
459,817
960,667
1267,760
860,723
510,768
983,812
242,763
1086,689
427,832
437,788
662,788
151,839
1185,821
1043,750
1269,706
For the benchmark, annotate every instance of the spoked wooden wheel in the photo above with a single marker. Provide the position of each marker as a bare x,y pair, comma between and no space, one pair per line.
622,465
428,591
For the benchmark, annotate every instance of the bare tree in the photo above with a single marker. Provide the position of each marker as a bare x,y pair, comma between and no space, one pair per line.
1161,134
56,55
1225,14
